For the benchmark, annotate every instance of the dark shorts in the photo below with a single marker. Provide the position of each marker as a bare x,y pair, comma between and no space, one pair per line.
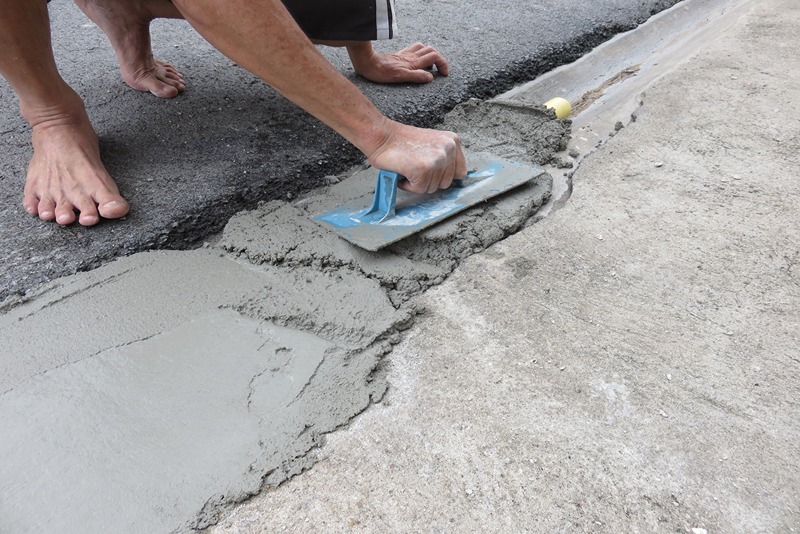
344,20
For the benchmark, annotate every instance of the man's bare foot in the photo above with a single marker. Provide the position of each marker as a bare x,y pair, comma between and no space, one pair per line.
127,25
66,174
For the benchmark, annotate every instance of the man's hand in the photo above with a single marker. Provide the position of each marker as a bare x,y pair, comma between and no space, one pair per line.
429,159
410,65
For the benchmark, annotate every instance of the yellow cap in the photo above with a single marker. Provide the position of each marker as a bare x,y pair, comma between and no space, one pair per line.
560,106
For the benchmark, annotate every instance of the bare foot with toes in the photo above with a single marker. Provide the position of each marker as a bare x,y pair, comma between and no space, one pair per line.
127,26
65,174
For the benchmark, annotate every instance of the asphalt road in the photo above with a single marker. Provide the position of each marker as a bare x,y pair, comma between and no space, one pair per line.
188,164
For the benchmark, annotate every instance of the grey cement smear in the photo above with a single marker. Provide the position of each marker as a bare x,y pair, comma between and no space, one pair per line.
517,131
169,385
151,400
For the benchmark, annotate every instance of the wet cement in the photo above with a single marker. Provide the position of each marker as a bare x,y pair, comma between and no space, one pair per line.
147,395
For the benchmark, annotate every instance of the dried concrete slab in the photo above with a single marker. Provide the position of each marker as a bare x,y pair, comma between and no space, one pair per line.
627,364
149,394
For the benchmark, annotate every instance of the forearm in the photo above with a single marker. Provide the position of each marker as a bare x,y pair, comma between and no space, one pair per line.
262,37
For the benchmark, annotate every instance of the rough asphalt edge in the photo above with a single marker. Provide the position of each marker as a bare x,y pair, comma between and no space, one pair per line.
190,227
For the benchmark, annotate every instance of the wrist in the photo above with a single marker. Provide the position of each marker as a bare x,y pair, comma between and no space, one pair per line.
374,139
361,55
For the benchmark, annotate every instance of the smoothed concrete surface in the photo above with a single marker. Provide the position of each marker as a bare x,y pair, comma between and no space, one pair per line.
627,364
172,384
166,387
188,164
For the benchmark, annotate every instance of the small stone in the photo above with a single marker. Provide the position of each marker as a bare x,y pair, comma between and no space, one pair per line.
563,164
618,126
659,164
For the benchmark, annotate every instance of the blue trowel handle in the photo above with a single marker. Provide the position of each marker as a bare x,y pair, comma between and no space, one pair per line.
385,200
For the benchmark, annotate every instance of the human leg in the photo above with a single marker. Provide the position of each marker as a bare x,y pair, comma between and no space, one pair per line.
65,173
127,26
262,37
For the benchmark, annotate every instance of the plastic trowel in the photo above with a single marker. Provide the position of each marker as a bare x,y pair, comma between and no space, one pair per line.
396,214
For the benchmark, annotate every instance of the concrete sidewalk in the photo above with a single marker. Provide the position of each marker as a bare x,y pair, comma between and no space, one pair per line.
628,364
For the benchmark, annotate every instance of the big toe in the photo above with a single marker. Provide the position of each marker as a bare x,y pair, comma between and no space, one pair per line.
163,90
161,86
113,207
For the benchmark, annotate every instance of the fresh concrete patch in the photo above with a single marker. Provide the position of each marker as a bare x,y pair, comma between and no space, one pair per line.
282,234
513,130
165,386
152,429
161,392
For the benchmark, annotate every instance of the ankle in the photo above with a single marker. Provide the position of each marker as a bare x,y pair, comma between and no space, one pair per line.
59,106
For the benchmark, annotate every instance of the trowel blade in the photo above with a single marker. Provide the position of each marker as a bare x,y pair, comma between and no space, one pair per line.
416,212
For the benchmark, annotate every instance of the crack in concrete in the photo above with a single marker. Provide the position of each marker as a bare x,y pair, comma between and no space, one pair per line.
87,357
12,302
307,383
